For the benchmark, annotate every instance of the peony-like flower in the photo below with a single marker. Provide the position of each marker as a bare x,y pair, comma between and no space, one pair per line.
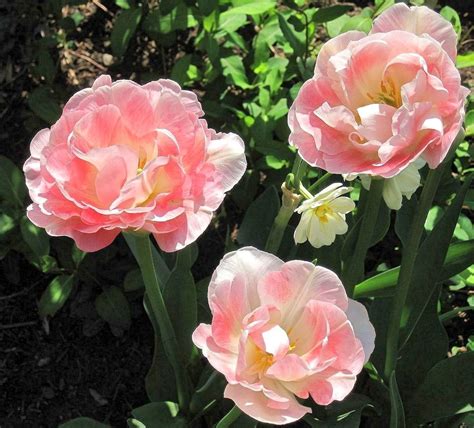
324,216
129,157
280,331
378,102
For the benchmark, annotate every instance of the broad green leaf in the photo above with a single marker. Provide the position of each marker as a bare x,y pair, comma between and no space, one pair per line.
124,29
335,26
469,122
36,237
230,23
157,24
234,70
295,38
397,414
448,389
254,8
259,218
452,16
43,103
465,60
181,301
55,295
134,423
83,423
330,13
160,415
179,72
113,307
380,230
12,183
429,262
124,4
404,219
460,255
210,387
133,280
357,23
7,224
427,345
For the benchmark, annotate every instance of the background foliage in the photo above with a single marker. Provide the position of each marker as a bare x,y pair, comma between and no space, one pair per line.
76,339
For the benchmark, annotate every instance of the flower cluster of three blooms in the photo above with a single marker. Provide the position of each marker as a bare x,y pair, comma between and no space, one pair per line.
129,157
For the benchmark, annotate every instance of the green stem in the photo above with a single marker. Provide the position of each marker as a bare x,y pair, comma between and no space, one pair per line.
170,344
228,419
354,268
319,182
407,267
286,210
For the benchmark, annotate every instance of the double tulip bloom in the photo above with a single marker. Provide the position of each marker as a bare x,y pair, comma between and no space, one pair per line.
129,157
378,102
282,331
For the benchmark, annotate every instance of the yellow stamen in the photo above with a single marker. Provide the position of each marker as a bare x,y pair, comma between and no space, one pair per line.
322,212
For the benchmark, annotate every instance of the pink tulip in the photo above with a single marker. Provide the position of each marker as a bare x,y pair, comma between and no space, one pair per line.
280,331
129,157
378,102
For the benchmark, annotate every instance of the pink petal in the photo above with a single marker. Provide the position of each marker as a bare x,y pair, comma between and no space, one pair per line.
363,329
419,21
290,368
250,265
257,405
227,153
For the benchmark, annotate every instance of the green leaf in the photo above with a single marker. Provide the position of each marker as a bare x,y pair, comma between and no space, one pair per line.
7,224
210,387
404,219
43,103
133,281
448,389
178,19
160,415
460,255
330,13
452,16
469,123
83,423
36,238
295,38
465,60
429,262
253,8
259,218
125,26
428,344
113,307
181,301
357,23
380,230
179,72
55,295
124,4
234,70
397,414
12,183
229,23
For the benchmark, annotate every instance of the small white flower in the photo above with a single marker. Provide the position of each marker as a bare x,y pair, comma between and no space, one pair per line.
403,184
324,216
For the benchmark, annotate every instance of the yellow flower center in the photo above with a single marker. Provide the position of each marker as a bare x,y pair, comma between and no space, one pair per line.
389,94
261,361
322,212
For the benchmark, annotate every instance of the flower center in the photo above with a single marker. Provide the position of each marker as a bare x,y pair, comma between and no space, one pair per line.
322,212
261,361
389,94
